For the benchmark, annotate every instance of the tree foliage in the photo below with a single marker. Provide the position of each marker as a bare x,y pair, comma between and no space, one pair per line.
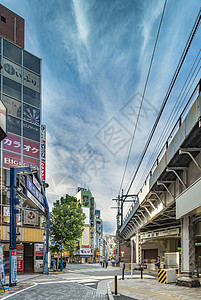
66,222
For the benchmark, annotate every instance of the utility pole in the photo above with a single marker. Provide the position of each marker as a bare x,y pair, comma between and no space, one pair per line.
119,217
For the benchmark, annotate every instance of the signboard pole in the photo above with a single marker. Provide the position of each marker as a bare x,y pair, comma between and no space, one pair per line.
13,211
47,241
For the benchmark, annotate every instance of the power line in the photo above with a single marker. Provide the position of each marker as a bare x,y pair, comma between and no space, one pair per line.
133,136
173,115
187,46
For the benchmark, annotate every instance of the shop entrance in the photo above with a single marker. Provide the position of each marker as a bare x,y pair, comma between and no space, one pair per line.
28,258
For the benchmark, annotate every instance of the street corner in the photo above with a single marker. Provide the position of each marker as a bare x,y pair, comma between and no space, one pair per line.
15,289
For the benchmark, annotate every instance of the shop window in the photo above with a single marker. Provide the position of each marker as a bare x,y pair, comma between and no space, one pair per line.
31,97
11,88
31,62
31,131
14,125
13,52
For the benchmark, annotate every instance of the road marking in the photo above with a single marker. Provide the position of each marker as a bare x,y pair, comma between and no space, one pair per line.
20,291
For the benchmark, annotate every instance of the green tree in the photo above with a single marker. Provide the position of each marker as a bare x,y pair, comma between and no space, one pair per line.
66,223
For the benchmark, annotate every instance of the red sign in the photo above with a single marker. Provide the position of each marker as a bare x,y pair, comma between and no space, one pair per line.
19,265
39,253
31,148
11,160
30,162
42,170
14,253
12,143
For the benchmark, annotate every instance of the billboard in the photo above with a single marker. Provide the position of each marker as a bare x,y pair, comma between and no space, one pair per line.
11,160
31,148
27,161
11,70
86,212
13,106
85,236
12,143
31,80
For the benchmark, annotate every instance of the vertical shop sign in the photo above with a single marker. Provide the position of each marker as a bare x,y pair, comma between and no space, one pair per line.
38,257
43,151
2,265
20,261
13,254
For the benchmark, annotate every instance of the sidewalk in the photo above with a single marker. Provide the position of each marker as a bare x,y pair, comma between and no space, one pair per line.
150,289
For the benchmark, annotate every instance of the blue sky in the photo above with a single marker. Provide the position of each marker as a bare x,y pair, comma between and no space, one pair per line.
95,58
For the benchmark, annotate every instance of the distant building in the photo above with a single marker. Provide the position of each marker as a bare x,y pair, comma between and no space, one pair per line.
89,247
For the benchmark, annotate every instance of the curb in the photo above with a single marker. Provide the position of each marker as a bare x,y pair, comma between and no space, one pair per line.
109,292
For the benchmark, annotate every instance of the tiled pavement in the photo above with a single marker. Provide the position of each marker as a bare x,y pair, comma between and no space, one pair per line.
150,289
57,291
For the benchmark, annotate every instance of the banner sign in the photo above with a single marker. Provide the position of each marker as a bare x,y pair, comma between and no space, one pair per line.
85,251
12,143
13,106
43,150
13,258
86,212
11,160
2,265
37,184
31,80
85,236
42,170
20,252
12,71
32,188
31,148
35,201
30,217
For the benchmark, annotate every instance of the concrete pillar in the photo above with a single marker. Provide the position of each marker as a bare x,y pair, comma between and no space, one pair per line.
187,245
187,253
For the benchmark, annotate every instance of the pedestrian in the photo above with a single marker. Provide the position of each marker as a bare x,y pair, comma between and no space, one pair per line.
54,264
101,261
106,262
158,262
113,262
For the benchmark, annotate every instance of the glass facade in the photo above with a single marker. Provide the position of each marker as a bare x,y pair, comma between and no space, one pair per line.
20,92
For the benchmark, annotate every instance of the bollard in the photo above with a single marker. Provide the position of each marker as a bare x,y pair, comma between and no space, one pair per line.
141,273
123,273
115,284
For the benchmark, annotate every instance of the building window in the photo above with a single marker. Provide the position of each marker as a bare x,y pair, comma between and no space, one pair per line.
3,19
31,131
31,97
13,106
14,125
13,52
31,62
31,114
11,88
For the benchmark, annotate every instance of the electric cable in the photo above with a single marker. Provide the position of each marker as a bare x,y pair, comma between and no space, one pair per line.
187,46
133,136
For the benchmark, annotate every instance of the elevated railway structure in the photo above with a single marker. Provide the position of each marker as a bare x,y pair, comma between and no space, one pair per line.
166,218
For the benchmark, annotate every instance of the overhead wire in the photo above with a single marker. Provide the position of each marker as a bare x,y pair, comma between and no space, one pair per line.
173,115
136,124
181,61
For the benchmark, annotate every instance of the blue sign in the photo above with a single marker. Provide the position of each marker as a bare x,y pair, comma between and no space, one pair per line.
33,189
